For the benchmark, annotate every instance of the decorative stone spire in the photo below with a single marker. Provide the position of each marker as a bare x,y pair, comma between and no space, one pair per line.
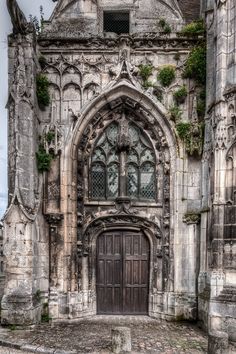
18,19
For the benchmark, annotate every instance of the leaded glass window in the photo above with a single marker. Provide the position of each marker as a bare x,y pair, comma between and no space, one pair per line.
105,165
142,170
99,180
134,161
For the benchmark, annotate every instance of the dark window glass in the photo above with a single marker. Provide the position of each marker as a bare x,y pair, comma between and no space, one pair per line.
98,181
117,22
138,161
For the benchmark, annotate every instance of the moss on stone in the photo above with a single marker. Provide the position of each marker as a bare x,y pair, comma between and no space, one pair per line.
180,95
192,136
166,75
145,71
43,159
195,66
42,85
175,113
195,28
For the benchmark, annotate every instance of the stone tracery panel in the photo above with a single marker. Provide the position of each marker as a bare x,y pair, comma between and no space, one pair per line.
158,169
71,100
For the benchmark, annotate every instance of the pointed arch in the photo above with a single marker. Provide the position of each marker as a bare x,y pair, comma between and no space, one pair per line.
155,111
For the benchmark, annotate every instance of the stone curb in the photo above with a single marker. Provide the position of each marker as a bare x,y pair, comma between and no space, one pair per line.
33,348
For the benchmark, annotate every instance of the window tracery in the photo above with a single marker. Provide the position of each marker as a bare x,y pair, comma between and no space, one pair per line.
123,164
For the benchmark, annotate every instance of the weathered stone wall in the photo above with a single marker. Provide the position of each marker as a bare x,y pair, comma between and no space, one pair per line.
144,16
217,274
2,263
87,82
25,237
94,79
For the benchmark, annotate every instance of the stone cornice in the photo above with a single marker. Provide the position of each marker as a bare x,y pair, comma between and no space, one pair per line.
135,41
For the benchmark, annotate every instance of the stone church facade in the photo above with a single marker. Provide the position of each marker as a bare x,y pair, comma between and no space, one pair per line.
111,210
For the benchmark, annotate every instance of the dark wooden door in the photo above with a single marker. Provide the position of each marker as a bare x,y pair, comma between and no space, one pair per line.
122,273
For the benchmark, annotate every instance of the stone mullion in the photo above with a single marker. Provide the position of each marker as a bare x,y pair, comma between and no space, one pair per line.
221,50
123,181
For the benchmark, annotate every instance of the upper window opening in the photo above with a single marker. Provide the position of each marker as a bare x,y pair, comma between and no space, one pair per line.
117,22
123,164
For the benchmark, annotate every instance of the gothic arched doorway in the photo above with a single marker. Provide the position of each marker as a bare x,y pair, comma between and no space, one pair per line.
122,272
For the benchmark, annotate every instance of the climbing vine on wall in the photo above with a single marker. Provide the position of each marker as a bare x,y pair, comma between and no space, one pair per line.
195,66
45,155
180,95
165,27
166,75
145,71
43,159
42,90
195,28
192,136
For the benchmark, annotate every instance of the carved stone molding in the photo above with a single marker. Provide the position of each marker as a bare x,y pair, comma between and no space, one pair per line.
54,219
192,218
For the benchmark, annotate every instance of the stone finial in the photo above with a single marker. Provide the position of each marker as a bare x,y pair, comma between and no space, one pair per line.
18,19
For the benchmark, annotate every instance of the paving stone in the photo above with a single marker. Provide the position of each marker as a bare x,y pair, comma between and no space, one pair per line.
93,335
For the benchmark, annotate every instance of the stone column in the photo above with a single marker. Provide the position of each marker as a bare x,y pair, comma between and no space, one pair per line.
54,221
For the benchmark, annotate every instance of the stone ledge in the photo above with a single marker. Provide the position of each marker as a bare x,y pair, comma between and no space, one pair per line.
33,348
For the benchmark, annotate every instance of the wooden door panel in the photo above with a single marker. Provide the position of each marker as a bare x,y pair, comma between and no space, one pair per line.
122,273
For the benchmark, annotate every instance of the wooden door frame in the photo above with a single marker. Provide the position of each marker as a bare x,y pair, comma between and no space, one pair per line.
126,228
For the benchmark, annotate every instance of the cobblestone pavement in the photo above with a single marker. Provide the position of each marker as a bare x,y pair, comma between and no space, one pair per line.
93,335
4,350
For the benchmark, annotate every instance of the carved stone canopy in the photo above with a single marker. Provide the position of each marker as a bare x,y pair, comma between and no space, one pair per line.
54,219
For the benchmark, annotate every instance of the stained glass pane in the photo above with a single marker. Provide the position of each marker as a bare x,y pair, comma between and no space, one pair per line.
147,181
98,181
133,134
113,180
113,156
112,133
147,155
133,156
99,155
132,181
106,147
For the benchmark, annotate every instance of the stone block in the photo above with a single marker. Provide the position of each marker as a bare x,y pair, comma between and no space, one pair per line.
121,340
218,342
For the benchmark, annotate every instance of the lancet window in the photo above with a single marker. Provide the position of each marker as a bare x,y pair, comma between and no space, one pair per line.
123,164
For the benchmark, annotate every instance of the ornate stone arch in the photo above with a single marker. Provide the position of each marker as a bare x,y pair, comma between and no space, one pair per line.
152,118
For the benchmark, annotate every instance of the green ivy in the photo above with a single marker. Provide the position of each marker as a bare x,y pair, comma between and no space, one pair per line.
192,135
180,95
42,61
164,26
195,66
50,136
166,75
201,103
43,159
195,28
183,129
145,71
175,113
42,85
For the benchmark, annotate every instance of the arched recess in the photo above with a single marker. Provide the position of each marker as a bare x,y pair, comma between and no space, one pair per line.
150,117
230,207
71,99
127,224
